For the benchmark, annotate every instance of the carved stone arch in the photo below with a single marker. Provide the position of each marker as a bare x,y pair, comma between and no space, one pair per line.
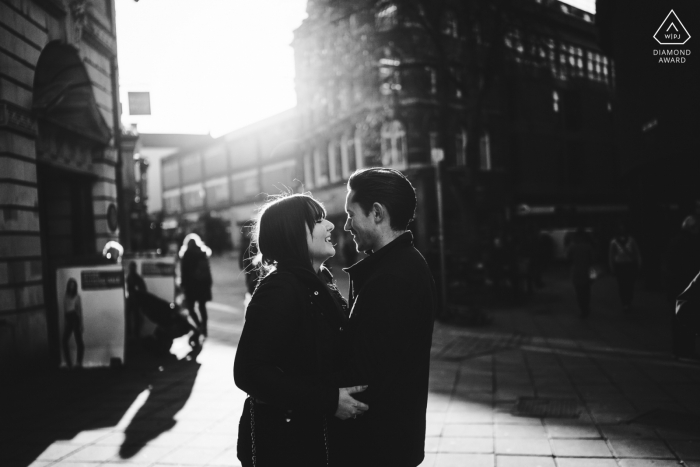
64,96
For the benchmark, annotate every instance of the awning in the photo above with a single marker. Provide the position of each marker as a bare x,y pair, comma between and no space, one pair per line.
63,94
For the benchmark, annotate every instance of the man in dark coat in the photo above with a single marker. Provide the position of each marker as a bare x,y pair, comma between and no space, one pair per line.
392,303
682,265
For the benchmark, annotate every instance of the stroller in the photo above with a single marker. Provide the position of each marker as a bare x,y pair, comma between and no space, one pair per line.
170,321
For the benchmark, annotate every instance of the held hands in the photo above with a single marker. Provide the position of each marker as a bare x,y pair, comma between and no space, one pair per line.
348,407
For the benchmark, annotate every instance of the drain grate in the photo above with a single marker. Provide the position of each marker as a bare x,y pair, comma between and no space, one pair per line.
547,408
677,421
464,347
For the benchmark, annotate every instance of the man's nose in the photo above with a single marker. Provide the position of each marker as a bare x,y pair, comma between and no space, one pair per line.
346,227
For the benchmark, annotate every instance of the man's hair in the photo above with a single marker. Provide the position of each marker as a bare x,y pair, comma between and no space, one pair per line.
388,187
280,231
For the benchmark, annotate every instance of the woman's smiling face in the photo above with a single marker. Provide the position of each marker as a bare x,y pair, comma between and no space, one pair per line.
319,241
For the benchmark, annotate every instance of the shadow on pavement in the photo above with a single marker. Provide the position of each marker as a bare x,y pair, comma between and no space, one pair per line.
162,401
52,411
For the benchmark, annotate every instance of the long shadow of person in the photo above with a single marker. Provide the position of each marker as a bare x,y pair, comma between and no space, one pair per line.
165,398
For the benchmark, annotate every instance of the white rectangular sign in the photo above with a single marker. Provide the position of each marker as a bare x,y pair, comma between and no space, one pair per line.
101,290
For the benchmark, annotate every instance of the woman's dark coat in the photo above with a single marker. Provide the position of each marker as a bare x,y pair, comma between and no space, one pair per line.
195,275
292,339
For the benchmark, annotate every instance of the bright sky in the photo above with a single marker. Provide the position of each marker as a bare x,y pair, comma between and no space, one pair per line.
210,65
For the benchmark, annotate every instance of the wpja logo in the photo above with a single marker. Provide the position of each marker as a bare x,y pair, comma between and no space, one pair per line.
672,32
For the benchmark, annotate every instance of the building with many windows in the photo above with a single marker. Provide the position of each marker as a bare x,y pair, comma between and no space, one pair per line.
224,178
520,109
376,86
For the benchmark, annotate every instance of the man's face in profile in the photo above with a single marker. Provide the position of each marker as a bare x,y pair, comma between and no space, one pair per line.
361,225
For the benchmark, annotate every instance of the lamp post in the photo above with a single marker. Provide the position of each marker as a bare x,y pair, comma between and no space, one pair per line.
438,155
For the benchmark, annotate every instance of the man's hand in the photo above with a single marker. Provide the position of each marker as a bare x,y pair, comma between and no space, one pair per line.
349,407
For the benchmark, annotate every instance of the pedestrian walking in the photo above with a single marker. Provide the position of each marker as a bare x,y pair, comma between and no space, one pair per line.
624,260
582,255
393,303
73,323
293,343
135,287
682,265
196,280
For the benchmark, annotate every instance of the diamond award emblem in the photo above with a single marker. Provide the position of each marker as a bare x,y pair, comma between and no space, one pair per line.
672,31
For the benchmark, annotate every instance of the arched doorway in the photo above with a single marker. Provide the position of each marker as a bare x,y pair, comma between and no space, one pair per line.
72,134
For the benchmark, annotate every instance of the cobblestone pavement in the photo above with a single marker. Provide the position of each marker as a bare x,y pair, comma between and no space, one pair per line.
536,387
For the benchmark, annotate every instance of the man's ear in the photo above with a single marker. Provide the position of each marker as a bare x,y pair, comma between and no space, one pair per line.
379,212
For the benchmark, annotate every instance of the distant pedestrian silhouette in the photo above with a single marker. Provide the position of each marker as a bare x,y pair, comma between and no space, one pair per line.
624,261
196,280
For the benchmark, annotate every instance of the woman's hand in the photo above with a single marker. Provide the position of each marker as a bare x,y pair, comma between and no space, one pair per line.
348,407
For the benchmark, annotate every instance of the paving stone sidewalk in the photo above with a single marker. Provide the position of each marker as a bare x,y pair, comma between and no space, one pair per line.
500,396
542,387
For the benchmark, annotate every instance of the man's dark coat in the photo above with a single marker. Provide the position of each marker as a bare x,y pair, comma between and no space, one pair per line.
392,300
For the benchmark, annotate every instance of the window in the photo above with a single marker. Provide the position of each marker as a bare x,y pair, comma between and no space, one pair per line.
335,159
349,155
359,158
217,192
555,101
320,168
449,24
191,168
393,145
193,197
308,172
433,79
171,174
215,161
244,186
389,75
386,17
461,148
171,201
485,152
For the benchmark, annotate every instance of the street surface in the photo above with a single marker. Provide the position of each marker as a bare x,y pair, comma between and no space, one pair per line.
537,387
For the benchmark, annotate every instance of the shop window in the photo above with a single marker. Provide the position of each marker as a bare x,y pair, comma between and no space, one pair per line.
393,145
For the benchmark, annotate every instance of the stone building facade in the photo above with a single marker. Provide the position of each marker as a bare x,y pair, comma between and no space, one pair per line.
372,87
58,159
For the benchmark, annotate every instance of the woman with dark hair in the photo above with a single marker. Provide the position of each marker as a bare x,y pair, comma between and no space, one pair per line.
73,322
292,342
196,279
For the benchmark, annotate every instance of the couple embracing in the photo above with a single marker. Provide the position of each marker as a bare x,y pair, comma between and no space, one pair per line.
330,381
